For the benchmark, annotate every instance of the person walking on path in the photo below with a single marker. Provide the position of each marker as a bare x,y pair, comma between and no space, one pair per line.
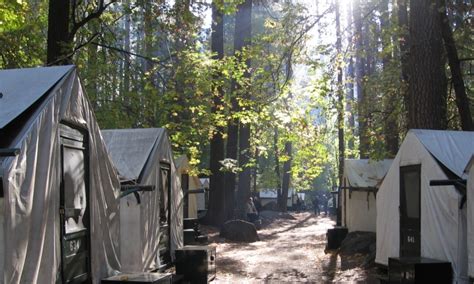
316,206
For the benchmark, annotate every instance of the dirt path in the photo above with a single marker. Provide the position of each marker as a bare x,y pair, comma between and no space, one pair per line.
289,250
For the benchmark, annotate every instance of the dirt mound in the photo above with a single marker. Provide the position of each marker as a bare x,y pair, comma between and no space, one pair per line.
273,215
239,231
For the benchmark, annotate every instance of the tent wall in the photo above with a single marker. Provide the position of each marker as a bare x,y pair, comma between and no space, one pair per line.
470,218
140,248
182,165
359,211
32,182
442,223
162,153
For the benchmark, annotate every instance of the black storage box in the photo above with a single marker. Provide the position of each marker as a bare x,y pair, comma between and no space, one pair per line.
335,237
190,223
419,270
197,264
139,278
189,237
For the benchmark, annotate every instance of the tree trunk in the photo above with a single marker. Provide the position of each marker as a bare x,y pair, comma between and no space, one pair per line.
359,75
427,86
59,40
350,89
216,213
390,122
403,43
340,104
462,101
285,185
242,38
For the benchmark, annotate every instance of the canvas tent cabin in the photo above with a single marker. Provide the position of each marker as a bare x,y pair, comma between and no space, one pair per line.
59,190
416,219
188,182
270,195
470,219
151,222
361,180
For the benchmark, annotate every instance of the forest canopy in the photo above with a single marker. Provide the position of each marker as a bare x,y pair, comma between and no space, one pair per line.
259,94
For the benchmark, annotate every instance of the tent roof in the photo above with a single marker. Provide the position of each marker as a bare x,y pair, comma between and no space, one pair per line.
21,88
365,173
451,148
130,148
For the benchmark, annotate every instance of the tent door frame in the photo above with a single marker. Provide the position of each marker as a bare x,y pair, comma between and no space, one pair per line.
410,226
75,139
165,256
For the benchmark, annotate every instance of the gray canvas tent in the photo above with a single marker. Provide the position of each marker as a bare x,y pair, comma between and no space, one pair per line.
151,224
416,219
470,219
361,180
59,213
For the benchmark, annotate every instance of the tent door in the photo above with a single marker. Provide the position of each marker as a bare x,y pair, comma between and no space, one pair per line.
165,218
74,209
185,188
410,205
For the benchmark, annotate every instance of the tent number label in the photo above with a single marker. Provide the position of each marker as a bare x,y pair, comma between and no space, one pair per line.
74,246
411,239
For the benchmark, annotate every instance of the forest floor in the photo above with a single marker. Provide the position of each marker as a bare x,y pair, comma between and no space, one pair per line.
289,250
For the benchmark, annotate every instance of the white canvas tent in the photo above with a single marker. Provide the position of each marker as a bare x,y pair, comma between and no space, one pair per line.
152,228
193,183
470,219
432,155
361,180
270,195
61,190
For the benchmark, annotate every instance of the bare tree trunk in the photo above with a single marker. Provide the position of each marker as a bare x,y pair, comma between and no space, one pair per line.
350,88
403,43
390,122
340,107
427,105
462,101
359,75
217,195
282,201
59,40
243,34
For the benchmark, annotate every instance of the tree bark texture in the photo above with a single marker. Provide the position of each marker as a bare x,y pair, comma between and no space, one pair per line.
427,85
